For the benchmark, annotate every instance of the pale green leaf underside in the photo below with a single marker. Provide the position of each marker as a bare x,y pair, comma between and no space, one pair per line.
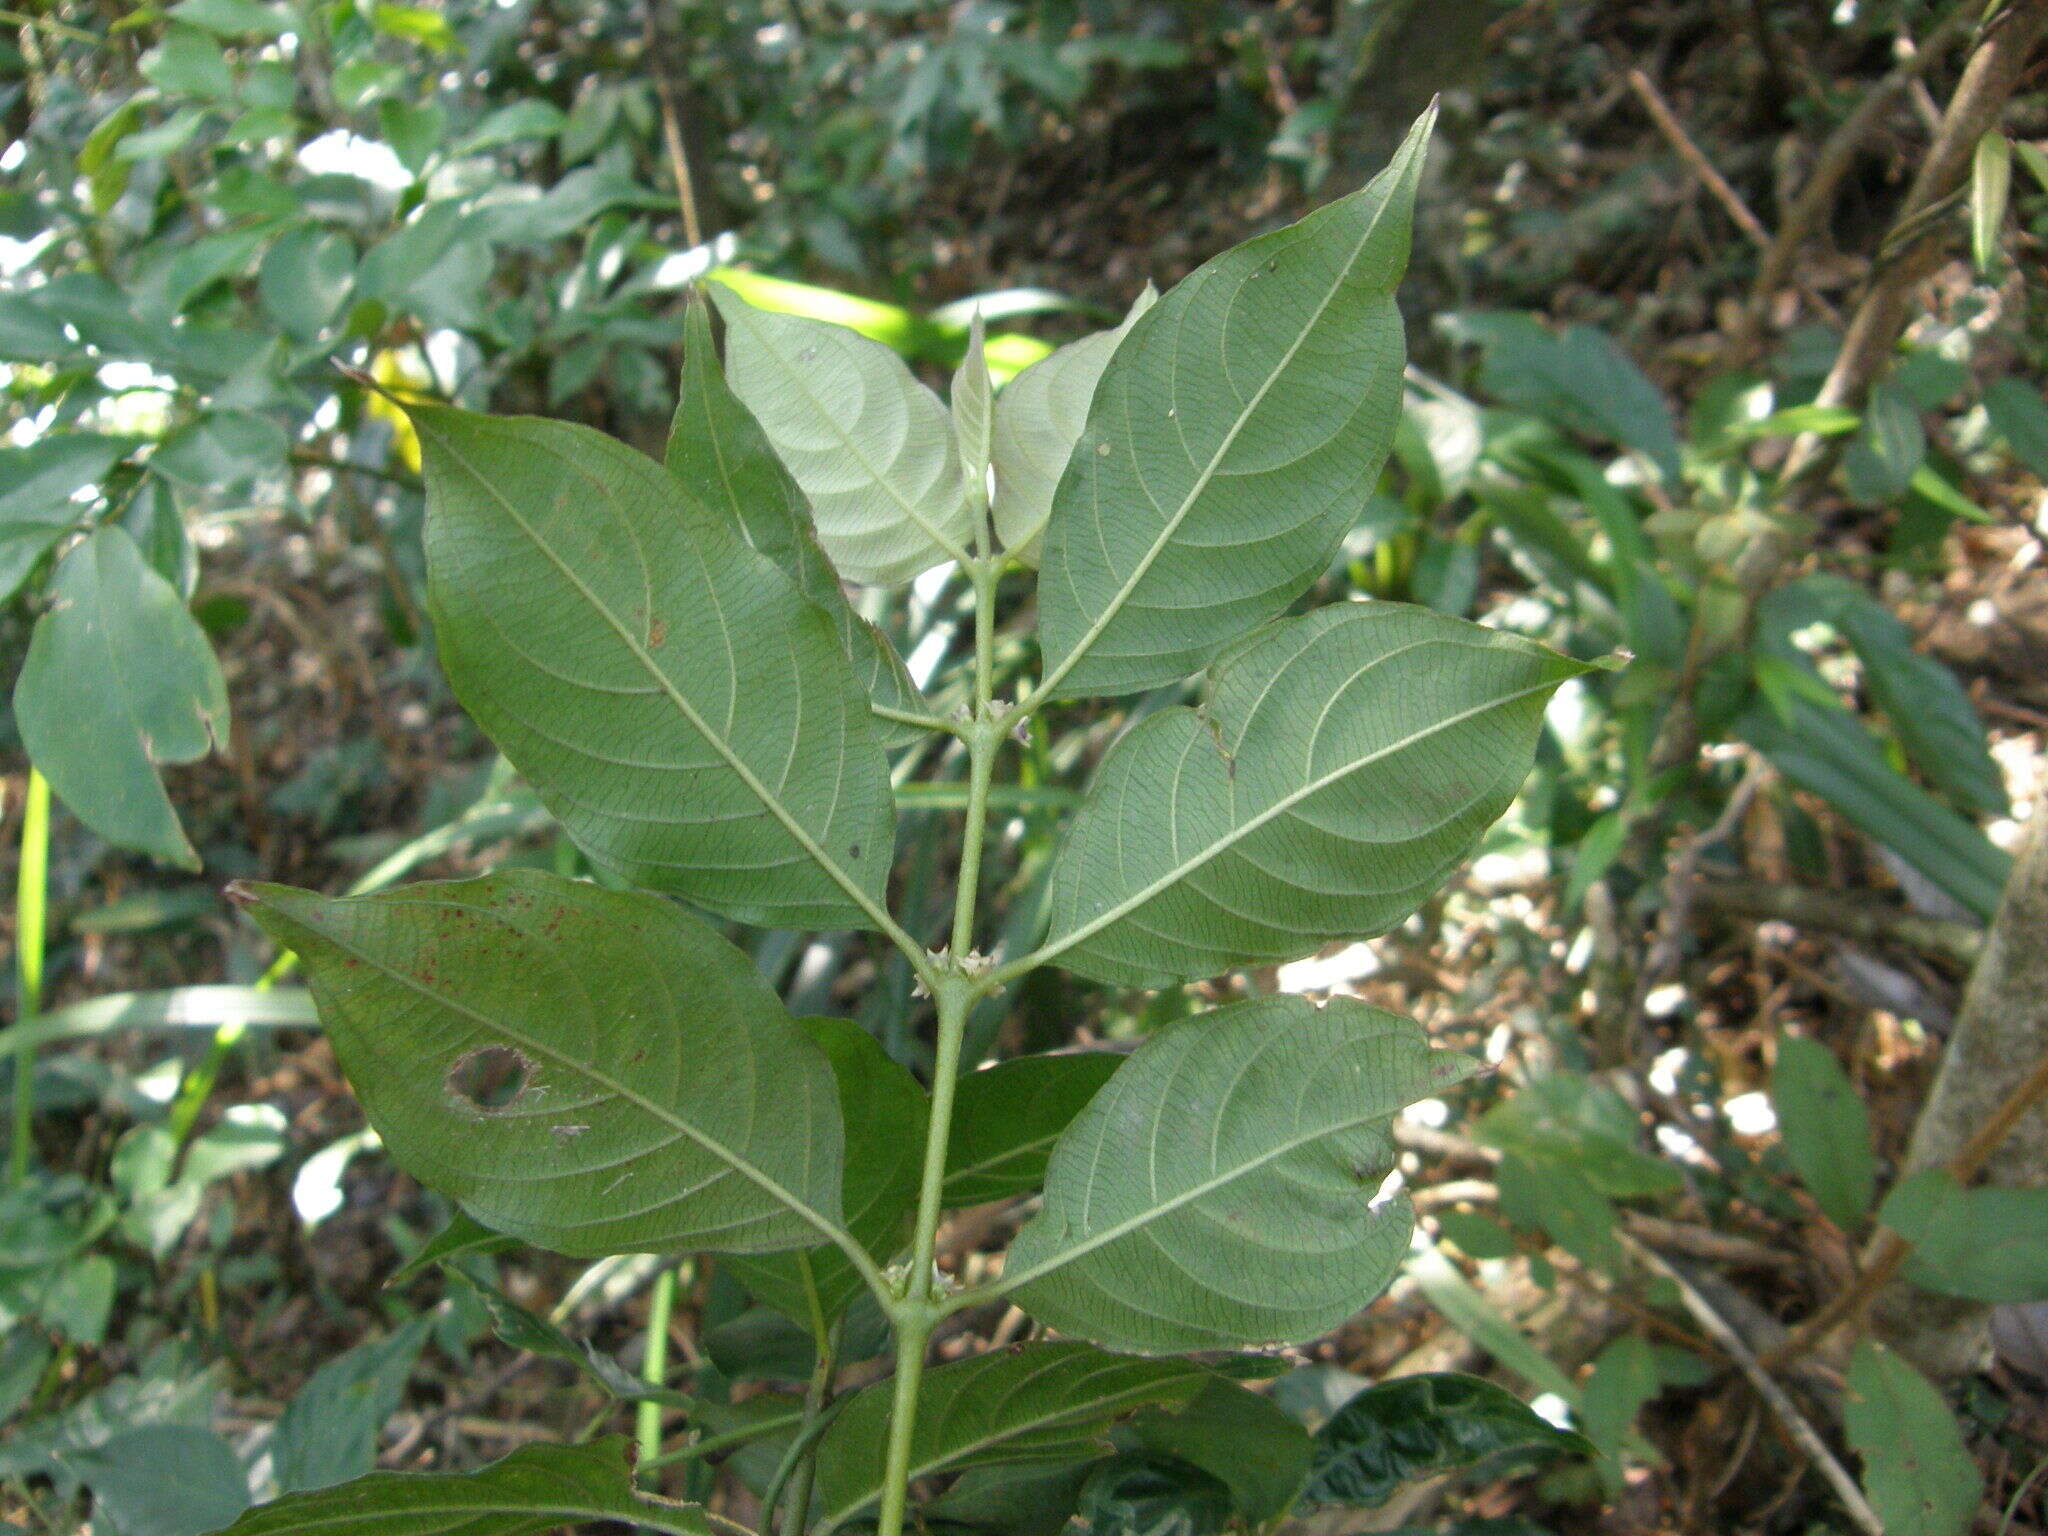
1232,440
883,1112
1218,1192
719,452
668,1102
672,697
971,402
1038,419
538,1489
119,678
1345,762
1029,1404
872,448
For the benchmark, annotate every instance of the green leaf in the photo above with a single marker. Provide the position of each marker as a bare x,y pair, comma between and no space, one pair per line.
972,403
1031,1404
514,124
1468,1311
1916,1469
872,448
189,63
1579,378
328,1432
1826,751
590,1071
1990,183
1264,1227
162,1480
1567,1117
1825,1128
1624,1378
1988,1243
536,1335
1140,1495
233,18
1345,762
884,1113
1007,1117
1230,442
1922,699
1551,1195
1039,417
1422,1426
118,679
37,484
305,279
1883,459
718,450
532,1490
2020,416
463,1234
673,698
1029,1500
1237,1436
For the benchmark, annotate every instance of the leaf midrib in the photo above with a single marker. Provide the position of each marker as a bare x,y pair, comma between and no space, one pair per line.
857,451
1089,636
1167,1207
1244,829
719,744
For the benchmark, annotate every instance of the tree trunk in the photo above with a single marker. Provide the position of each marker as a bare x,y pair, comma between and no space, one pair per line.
2001,1034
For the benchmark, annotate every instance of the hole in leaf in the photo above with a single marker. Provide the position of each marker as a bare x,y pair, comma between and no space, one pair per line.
489,1079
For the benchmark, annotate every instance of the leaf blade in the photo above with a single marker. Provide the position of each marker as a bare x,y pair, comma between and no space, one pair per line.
1281,403
1344,763
1264,1230
679,755
638,1045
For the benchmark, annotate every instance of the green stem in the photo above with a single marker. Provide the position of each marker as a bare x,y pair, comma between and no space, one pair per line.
913,1336
31,915
654,1367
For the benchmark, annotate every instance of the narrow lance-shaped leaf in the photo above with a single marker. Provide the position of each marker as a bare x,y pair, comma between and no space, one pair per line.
1044,1404
717,449
119,678
535,1489
591,1071
1007,1117
1826,1129
1232,440
1343,765
972,407
871,447
1222,1189
1039,417
673,698
883,1111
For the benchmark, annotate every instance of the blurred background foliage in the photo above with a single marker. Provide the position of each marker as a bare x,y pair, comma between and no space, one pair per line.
1780,817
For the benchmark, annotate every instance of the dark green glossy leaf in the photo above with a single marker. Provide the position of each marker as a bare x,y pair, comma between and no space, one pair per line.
1238,1437
1142,1495
1420,1426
